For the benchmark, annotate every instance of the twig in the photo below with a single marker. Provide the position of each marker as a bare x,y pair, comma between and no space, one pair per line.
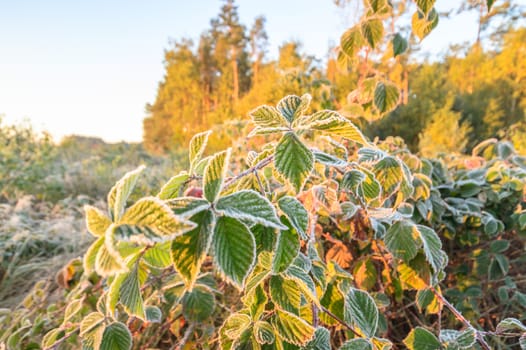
261,188
263,163
312,240
186,337
461,318
56,344
342,322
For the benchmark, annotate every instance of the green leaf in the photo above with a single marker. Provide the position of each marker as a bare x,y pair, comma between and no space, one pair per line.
370,188
366,90
491,227
50,338
361,310
421,339
334,302
187,206
72,310
414,275
256,301
328,159
130,292
235,325
292,107
467,338
296,213
510,325
149,221
373,31
121,191
153,314
432,248
426,300
197,148
234,249
264,333
399,45
92,340
108,261
388,171
88,263
214,175
249,205
425,5
198,304
292,328
255,280
352,179
386,97
287,248
304,282
293,160
357,344
498,267
422,24
267,117
90,322
332,123
172,188
96,222
352,41
158,256
402,240
321,341
116,337
189,250
453,339
285,293
265,238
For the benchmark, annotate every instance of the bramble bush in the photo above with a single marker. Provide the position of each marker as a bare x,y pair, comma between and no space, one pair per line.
308,242
334,246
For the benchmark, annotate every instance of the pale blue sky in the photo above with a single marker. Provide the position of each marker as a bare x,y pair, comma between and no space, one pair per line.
89,67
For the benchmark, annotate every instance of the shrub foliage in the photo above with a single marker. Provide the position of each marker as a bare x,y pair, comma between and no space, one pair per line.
311,245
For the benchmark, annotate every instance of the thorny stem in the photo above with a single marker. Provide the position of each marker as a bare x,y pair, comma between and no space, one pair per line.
186,336
312,240
461,318
263,163
56,344
342,322
261,188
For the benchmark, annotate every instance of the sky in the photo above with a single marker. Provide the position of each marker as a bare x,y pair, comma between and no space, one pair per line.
89,67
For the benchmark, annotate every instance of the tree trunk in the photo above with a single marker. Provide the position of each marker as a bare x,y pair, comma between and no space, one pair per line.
405,82
235,93
256,70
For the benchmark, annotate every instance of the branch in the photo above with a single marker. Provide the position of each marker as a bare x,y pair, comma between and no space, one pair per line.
56,344
186,337
312,240
263,163
461,318
340,321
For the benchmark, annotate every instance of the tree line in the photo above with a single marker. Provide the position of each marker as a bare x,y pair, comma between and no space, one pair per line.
477,91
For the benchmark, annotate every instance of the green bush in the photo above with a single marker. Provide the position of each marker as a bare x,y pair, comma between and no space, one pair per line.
26,161
358,246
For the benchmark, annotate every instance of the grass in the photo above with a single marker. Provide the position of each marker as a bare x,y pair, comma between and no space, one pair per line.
36,240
